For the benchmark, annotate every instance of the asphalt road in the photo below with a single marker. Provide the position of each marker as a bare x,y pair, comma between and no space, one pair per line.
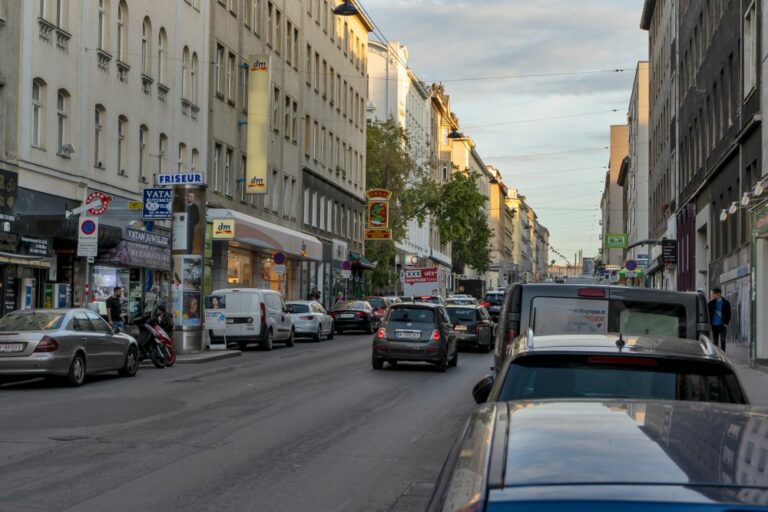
307,428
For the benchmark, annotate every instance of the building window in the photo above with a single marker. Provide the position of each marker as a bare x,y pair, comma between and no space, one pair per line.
162,148
219,71
38,112
308,65
288,42
143,136
98,158
331,86
314,209
146,49
317,72
247,12
185,73
182,152
321,223
287,199
122,21
750,49
296,48
276,110
315,134
243,168
217,168
228,173
195,160
231,78
294,123
307,130
270,28
306,207
321,144
257,20
61,8
287,118
193,79
122,125
101,34
62,100
162,42
278,32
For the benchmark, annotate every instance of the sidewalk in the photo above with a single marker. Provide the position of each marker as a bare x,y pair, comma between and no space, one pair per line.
755,382
201,357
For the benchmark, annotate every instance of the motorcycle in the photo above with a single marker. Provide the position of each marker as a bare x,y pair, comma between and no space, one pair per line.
150,345
165,340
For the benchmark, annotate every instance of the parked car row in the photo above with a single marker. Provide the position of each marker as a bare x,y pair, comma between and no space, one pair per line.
604,398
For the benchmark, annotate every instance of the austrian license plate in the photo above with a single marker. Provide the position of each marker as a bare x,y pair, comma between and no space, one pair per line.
408,335
347,315
11,347
461,327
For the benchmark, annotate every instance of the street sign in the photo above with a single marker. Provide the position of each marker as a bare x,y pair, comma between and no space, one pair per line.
279,258
279,269
180,178
223,229
88,237
616,240
669,251
135,205
157,204
631,265
105,200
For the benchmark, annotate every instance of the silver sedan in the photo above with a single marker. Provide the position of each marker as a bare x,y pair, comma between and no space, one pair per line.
310,318
66,344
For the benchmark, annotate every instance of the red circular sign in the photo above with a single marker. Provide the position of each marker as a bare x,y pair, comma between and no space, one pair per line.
105,200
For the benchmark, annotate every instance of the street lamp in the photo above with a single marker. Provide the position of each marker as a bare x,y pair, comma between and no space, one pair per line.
455,134
346,9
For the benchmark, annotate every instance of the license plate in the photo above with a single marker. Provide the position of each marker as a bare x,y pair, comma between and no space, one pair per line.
408,335
347,315
11,347
461,327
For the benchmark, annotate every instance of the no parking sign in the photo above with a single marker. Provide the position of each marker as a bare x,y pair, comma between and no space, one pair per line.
88,237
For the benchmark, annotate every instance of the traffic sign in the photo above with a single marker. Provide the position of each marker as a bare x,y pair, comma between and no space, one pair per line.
631,265
180,178
157,204
88,237
105,200
279,258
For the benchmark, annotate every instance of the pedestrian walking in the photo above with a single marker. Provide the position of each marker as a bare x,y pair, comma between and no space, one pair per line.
719,316
115,309
314,294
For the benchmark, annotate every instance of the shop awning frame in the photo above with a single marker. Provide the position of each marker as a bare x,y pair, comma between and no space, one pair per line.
361,261
266,235
10,258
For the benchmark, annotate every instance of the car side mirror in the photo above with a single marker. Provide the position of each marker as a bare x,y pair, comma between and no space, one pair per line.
482,390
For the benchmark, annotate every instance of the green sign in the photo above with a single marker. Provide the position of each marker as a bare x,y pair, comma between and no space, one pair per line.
616,241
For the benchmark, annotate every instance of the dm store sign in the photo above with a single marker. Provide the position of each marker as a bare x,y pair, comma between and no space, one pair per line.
223,229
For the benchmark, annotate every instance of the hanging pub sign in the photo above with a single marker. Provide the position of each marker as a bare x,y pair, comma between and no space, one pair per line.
9,182
257,140
378,215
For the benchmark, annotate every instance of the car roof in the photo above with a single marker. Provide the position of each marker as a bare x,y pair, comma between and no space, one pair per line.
401,305
615,291
463,306
624,450
305,302
610,344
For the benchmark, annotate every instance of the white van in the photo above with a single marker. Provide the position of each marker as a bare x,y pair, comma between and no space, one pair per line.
255,316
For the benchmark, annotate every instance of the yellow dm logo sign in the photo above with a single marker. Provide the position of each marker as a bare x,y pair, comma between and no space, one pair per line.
256,183
223,229
259,65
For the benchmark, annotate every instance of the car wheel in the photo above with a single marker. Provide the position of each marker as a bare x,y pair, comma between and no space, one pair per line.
319,335
377,363
242,345
454,360
76,375
392,362
131,365
330,334
442,366
339,331
289,341
269,342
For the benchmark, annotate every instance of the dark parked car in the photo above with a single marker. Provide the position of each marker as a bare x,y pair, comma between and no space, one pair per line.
473,326
379,305
574,309
416,332
354,315
613,366
607,456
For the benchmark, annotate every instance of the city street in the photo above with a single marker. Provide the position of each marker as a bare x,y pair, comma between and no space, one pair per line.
307,428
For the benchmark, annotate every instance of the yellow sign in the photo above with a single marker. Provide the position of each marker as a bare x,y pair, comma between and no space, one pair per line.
378,234
378,210
257,140
135,205
379,193
223,229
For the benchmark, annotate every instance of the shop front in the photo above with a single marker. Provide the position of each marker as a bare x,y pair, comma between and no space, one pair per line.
760,282
360,285
255,253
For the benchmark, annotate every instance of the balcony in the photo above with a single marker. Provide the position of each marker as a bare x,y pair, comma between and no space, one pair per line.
146,84
162,92
104,58
46,30
122,71
62,40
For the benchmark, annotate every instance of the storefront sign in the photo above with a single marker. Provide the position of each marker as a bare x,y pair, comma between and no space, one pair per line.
669,252
378,234
9,242
412,275
105,200
180,178
35,246
157,203
147,237
257,141
88,236
616,241
223,229
135,205
133,254
9,182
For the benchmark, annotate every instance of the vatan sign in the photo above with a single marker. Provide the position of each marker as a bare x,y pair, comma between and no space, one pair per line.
378,215
223,229
257,140
157,204
616,240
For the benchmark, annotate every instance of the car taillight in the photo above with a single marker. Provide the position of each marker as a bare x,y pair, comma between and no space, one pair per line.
435,335
592,292
381,333
485,304
263,312
306,317
332,314
362,314
47,344
628,361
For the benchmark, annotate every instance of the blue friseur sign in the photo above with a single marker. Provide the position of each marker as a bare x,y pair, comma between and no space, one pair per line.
180,178
157,204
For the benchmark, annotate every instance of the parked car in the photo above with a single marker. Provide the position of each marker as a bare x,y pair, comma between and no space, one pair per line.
354,315
606,456
311,319
255,316
461,301
379,305
573,309
572,366
64,343
493,302
473,325
416,332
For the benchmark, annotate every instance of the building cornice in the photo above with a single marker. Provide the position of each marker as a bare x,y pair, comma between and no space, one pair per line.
645,18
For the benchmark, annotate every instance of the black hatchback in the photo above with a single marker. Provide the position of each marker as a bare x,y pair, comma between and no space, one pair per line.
416,332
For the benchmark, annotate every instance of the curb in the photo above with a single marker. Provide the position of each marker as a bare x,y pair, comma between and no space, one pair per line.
202,357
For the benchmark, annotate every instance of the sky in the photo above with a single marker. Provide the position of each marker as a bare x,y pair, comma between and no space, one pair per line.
480,48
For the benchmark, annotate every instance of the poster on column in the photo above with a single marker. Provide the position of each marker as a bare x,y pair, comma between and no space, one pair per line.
257,141
187,205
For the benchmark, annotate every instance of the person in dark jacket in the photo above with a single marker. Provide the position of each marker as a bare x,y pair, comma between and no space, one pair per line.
719,317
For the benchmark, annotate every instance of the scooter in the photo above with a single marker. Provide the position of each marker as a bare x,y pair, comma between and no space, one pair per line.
150,345
165,340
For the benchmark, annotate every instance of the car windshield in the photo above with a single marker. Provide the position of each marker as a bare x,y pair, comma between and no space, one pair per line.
494,298
297,308
463,315
460,302
630,377
31,321
353,305
414,315
377,303
430,300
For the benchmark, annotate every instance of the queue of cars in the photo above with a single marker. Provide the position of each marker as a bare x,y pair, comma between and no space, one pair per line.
606,398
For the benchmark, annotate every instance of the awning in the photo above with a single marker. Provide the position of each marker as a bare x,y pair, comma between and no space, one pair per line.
20,259
361,261
134,254
266,235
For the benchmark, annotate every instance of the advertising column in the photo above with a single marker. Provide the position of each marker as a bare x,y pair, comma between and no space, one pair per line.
187,250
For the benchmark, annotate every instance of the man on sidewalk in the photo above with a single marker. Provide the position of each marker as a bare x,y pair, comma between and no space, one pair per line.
115,309
719,317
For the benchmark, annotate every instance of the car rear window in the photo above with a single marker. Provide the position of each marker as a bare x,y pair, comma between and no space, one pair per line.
353,305
33,321
377,303
430,300
415,315
297,308
627,377
464,315
494,298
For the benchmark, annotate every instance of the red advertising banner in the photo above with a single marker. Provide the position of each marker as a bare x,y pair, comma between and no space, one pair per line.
413,275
